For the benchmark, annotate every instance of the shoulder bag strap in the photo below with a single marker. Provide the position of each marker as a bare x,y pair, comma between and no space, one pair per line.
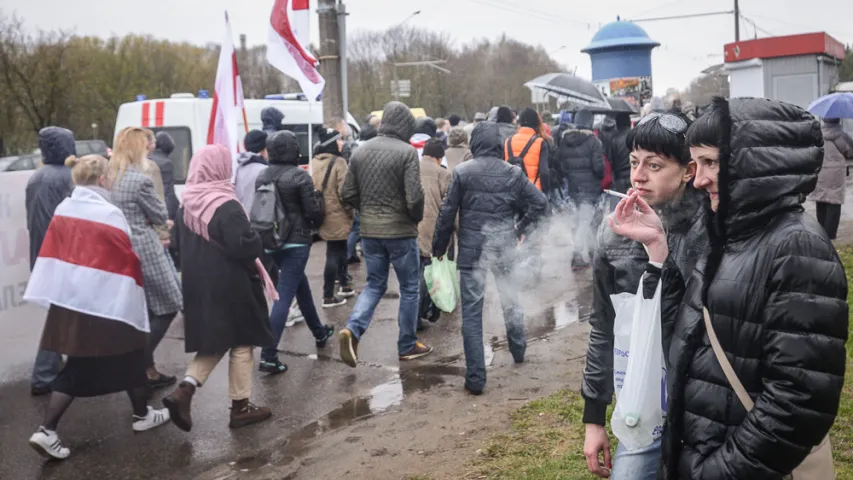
328,174
731,376
508,147
527,147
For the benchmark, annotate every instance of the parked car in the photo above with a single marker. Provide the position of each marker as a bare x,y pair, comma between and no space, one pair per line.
30,161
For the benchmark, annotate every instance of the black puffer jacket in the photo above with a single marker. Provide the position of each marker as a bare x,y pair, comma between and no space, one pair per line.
618,266
165,147
488,194
619,154
294,186
384,179
776,292
271,119
581,156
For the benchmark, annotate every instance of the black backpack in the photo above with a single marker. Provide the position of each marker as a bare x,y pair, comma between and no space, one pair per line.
268,215
518,160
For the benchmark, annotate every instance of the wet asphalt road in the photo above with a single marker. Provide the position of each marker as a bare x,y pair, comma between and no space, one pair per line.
317,394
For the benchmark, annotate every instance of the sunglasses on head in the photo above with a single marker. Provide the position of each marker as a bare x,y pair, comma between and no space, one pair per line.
672,123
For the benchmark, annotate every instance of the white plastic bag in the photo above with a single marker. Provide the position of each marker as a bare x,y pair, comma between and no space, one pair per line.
623,305
638,418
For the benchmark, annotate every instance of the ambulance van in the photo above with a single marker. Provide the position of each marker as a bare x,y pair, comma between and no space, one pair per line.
187,119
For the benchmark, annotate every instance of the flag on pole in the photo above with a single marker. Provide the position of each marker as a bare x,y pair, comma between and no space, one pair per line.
286,41
227,98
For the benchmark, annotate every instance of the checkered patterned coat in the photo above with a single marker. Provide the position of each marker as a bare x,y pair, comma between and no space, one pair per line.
134,194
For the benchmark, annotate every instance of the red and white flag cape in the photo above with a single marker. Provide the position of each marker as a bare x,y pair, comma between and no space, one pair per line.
286,46
227,99
87,263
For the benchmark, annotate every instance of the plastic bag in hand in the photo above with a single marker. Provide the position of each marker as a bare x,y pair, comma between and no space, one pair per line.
637,419
442,283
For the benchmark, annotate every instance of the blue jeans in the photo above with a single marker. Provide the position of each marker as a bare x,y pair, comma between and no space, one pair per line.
45,369
473,286
379,253
354,236
292,282
641,464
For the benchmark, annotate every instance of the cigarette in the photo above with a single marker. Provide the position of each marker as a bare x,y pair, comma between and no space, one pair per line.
616,194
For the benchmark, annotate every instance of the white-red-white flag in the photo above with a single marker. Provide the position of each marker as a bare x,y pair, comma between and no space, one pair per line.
227,98
87,264
286,41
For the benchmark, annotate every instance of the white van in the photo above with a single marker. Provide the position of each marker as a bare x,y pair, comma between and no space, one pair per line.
187,119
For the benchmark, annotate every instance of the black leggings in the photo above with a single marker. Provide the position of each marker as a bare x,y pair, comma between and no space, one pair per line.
159,326
336,260
828,216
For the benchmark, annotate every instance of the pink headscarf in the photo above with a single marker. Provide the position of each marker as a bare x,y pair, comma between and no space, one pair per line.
208,187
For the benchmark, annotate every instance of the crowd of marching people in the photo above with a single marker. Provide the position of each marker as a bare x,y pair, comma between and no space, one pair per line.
703,212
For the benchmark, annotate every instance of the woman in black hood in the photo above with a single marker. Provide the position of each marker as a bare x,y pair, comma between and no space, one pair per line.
768,302
304,213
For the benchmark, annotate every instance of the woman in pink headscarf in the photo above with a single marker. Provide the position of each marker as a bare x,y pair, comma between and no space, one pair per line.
224,285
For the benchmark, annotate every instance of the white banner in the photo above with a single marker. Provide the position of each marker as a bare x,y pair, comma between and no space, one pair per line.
14,243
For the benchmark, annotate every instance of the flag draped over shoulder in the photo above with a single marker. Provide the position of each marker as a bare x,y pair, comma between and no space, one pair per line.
87,264
286,46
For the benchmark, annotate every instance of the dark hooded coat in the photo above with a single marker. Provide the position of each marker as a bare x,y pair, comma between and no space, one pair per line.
488,194
294,185
271,119
384,179
165,147
776,292
49,185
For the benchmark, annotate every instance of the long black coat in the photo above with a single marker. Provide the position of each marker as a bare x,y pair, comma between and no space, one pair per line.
224,304
777,294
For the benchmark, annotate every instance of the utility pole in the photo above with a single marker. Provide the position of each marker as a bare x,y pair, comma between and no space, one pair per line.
737,21
342,32
330,60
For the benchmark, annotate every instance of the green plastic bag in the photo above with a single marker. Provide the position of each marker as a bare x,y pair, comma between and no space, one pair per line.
442,283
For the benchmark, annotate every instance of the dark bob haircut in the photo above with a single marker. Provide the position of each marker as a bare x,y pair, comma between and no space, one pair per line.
653,137
707,130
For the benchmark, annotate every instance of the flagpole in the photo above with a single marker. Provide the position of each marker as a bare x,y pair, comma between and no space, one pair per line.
310,137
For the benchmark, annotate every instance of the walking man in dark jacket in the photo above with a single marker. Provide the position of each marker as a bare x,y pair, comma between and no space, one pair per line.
165,147
46,189
384,184
618,152
488,194
661,171
581,155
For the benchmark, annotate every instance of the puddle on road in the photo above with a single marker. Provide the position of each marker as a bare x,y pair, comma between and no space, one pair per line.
417,378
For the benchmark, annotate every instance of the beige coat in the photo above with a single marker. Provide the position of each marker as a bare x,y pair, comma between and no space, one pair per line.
435,181
457,155
338,220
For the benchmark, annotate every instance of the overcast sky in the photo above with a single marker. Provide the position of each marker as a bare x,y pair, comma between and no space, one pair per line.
687,46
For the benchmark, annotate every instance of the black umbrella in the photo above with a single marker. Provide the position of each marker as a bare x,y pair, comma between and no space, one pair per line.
575,89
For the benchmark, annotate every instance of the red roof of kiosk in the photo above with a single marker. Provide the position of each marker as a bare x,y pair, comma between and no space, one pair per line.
803,44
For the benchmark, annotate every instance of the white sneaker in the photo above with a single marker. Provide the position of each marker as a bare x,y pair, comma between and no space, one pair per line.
294,316
154,419
47,444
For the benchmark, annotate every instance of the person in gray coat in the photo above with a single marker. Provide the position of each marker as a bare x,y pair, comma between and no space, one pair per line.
133,192
384,184
249,164
830,191
46,189
165,145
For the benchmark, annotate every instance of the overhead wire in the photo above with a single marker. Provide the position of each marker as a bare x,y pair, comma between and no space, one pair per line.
533,13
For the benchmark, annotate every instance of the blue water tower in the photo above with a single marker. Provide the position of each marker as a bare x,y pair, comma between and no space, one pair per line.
621,55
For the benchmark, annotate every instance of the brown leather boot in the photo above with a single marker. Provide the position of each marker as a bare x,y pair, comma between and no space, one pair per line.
179,402
243,413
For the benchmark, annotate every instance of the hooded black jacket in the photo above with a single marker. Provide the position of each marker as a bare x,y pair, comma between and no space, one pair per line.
271,119
165,147
295,186
619,153
49,185
384,179
618,266
776,291
488,194
581,156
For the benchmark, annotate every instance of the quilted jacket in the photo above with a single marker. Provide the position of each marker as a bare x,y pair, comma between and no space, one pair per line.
384,179
776,292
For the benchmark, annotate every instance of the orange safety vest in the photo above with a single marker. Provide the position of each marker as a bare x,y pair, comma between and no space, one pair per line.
531,160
